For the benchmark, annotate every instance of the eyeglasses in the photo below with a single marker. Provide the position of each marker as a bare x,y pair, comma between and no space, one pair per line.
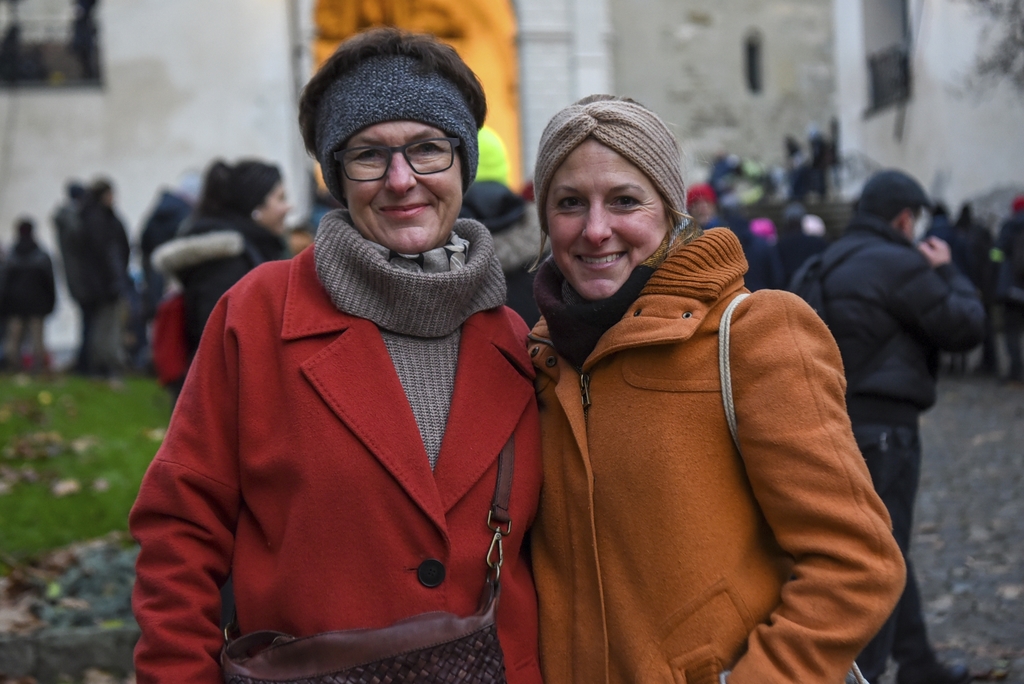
372,162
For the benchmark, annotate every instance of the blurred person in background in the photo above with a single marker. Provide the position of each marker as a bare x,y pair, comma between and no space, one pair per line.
764,269
336,444
67,223
702,203
238,224
942,228
893,304
105,251
1009,255
794,246
764,228
172,208
511,220
983,273
83,38
27,297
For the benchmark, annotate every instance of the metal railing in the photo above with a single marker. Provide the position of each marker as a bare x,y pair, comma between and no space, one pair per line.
889,73
45,53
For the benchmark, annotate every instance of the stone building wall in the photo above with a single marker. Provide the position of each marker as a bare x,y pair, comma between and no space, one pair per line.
686,60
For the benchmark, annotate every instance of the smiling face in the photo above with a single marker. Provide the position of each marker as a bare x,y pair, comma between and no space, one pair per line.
605,218
404,211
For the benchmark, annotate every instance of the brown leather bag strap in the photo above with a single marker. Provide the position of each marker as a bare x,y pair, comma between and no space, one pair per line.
503,488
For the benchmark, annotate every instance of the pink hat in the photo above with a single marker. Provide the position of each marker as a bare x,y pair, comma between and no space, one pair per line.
763,228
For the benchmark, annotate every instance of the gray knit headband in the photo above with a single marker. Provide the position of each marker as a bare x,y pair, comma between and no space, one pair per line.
391,88
632,130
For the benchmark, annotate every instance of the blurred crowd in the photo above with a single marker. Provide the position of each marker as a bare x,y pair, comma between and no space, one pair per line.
994,263
117,286
204,233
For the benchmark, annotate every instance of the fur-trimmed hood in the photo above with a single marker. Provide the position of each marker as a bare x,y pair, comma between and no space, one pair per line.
183,253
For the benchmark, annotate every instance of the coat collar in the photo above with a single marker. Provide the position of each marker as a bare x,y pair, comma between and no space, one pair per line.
355,377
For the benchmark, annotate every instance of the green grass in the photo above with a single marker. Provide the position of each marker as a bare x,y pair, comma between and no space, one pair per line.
72,428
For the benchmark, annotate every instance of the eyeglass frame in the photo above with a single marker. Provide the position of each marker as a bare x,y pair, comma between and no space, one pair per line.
339,156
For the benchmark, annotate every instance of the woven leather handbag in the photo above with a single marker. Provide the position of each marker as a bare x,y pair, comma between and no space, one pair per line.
437,647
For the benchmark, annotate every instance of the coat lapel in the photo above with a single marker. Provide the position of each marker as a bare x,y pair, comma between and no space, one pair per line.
493,386
355,377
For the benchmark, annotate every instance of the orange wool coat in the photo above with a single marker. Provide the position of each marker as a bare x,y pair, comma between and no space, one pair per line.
663,555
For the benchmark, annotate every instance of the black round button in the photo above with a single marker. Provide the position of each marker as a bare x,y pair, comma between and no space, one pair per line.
550,363
430,573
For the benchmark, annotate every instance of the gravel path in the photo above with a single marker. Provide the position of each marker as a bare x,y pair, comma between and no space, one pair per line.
968,543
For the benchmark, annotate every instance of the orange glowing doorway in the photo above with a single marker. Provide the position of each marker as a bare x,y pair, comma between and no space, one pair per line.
482,31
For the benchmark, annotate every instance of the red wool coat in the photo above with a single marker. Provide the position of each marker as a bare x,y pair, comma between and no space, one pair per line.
293,462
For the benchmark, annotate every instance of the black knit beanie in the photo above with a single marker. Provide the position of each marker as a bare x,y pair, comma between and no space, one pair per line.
251,181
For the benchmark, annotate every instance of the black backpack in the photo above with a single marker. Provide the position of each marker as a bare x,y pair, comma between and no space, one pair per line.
808,281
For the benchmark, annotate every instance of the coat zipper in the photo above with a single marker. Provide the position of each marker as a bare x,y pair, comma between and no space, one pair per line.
585,392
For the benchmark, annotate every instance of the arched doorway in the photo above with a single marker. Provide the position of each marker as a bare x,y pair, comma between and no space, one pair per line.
482,31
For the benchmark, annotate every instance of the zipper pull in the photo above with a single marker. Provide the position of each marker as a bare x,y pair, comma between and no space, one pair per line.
585,390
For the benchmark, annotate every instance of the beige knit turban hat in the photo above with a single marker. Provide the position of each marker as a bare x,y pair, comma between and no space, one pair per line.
627,127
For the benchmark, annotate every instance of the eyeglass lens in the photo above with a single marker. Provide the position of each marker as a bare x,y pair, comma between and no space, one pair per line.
425,156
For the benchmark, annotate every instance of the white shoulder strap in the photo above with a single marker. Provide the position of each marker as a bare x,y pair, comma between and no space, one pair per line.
725,374
724,370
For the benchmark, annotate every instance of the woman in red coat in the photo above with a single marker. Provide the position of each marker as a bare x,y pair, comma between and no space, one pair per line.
335,446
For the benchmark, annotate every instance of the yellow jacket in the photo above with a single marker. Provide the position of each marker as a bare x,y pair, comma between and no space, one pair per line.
663,555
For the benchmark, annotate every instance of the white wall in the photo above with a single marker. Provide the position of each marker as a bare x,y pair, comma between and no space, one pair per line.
184,82
564,54
958,141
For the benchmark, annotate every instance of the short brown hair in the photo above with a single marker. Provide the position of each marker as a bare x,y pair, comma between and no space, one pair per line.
433,55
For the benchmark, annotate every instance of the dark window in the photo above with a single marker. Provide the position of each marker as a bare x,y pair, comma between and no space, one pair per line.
752,49
887,46
889,72
35,52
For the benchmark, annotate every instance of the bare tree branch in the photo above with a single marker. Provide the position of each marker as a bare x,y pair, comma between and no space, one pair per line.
1001,57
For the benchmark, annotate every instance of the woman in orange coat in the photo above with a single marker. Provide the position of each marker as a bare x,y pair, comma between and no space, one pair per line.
662,551
335,446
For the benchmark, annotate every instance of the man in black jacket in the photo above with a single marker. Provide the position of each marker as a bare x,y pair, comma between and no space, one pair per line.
892,307
105,249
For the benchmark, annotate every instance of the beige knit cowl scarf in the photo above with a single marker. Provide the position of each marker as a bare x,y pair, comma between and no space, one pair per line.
419,305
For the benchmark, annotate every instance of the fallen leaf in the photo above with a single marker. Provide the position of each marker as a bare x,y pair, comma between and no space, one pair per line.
1010,592
45,398
94,676
18,618
5,488
942,604
100,485
72,603
67,487
53,590
83,444
988,438
156,434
